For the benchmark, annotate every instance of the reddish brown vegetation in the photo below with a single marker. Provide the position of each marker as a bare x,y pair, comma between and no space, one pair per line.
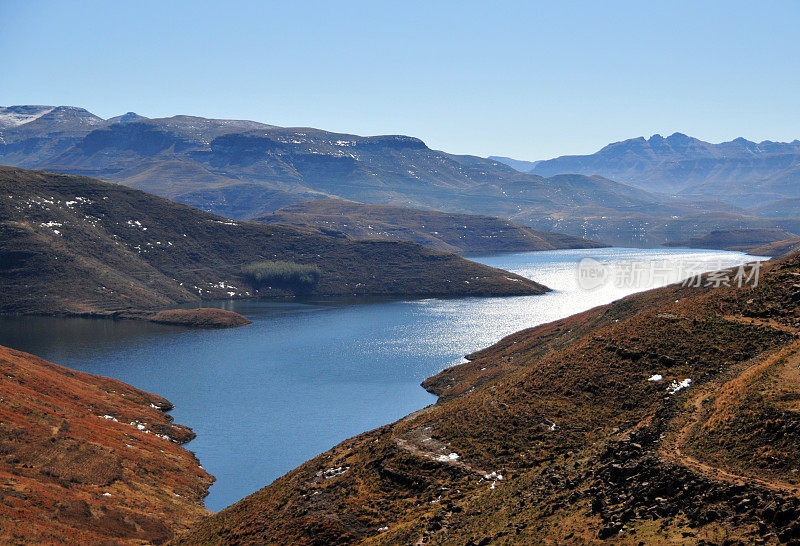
74,466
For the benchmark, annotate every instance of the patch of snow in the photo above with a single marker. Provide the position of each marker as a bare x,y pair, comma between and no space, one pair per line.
677,387
448,458
655,377
11,118
333,472
109,418
494,476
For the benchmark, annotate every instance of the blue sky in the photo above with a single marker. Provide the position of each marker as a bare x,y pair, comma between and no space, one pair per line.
530,80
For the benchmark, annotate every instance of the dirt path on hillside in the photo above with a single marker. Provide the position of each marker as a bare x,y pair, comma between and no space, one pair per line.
770,323
722,390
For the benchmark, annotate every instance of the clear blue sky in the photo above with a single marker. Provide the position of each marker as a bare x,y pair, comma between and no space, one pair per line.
530,80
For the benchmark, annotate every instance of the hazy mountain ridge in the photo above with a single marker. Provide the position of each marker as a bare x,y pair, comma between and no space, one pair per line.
207,163
244,169
737,170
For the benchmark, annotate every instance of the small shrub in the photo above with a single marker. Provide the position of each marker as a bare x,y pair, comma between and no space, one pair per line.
279,274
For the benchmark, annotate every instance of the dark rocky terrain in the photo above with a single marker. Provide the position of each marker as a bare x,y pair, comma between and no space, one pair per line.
90,460
668,416
462,233
75,245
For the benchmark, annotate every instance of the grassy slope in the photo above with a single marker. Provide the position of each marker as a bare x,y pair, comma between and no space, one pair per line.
442,231
621,460
76,245
68,475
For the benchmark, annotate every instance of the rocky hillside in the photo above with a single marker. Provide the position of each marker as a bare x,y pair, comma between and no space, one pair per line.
439,230
75,245
668,416
90,460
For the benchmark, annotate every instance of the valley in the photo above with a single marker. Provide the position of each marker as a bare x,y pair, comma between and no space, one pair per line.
334,367
665,416
385,273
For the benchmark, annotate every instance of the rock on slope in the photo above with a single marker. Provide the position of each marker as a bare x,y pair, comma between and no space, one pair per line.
75,245
439,230
89,460
584,429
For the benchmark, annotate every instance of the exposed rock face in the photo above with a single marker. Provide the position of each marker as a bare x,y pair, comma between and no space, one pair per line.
205,317
88,460
670,415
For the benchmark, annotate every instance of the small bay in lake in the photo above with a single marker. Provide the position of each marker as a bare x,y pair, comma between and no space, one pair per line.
304,376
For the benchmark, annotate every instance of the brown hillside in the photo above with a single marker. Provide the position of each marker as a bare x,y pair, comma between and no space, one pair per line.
74,245
463,233
90,460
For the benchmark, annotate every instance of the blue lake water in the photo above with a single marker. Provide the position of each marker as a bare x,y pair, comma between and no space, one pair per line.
304,376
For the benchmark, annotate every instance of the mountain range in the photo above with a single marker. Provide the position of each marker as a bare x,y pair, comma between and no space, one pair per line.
640,192
740,171
242,169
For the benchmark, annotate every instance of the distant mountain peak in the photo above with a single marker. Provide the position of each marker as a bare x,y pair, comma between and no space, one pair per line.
71,114
127,118
681,163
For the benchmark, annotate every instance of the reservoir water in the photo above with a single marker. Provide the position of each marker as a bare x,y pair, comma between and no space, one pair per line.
304,376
